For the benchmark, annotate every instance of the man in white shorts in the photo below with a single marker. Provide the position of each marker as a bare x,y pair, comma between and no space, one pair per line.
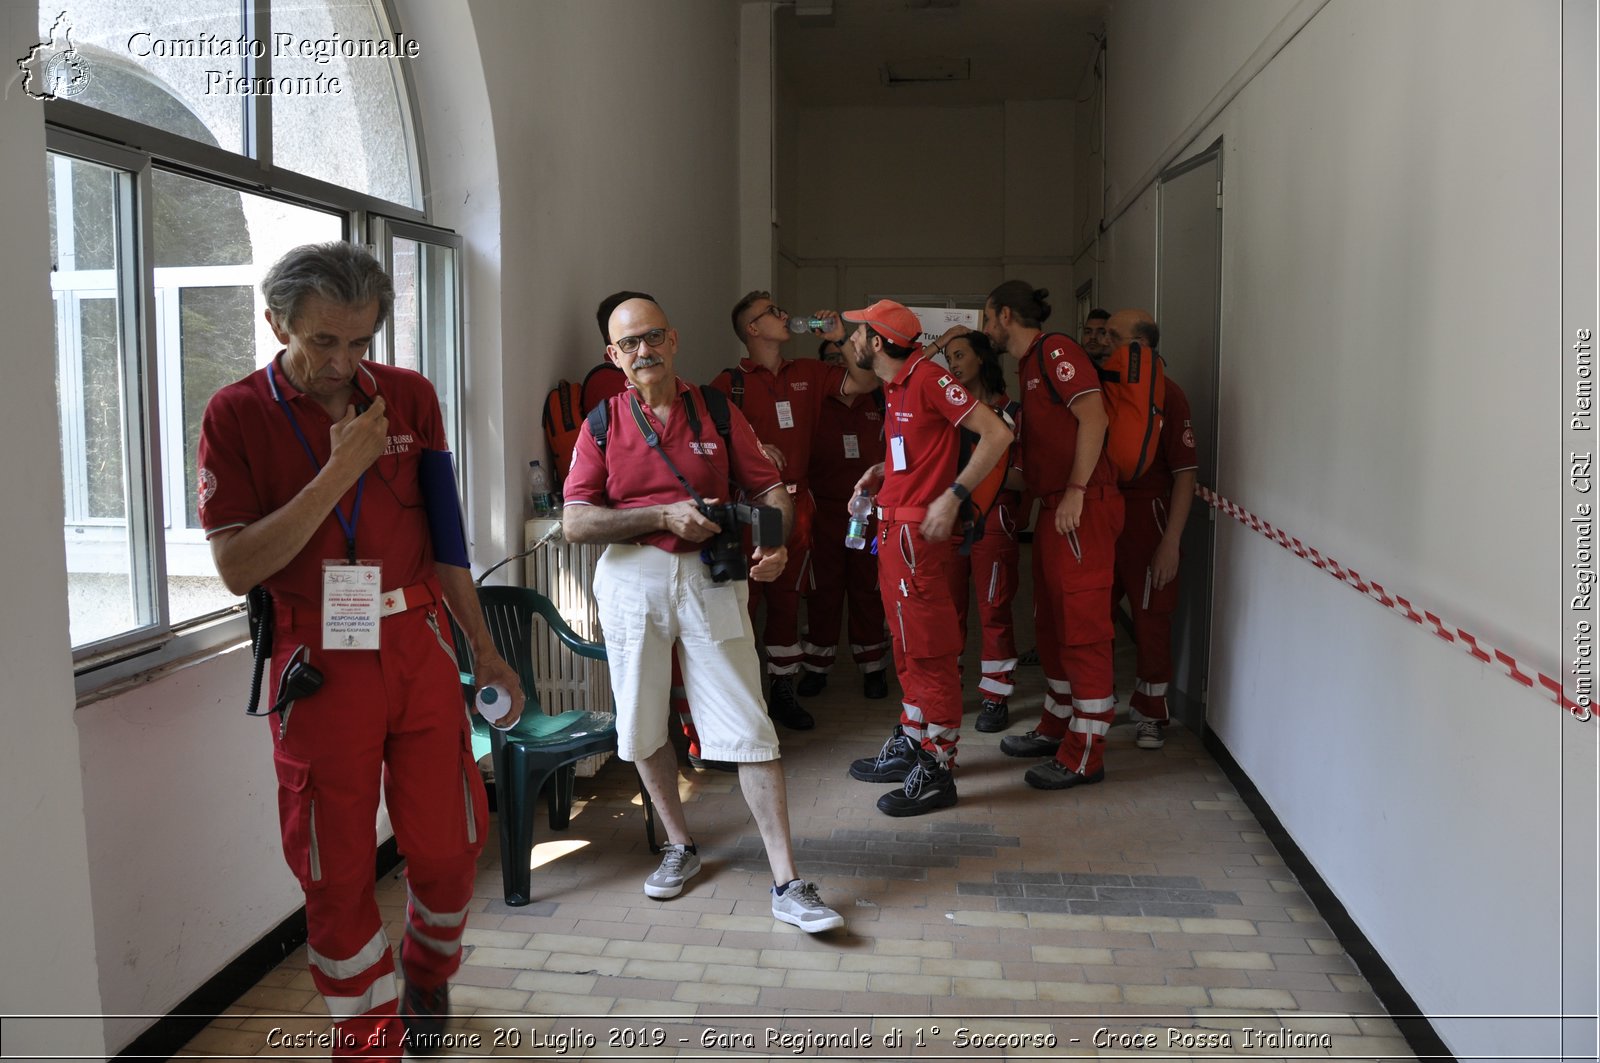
654,590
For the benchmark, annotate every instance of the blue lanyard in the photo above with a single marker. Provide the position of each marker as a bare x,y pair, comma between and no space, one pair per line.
349,526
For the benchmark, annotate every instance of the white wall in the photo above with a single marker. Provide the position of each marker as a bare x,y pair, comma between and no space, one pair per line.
1385,210
591,148
936,200
48,921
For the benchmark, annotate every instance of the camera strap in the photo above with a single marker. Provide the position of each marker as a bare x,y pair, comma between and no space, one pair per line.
652,439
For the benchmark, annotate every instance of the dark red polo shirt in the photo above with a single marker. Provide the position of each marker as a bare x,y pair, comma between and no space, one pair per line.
804,384
1049,429
252,464
925,405
628,476
833,472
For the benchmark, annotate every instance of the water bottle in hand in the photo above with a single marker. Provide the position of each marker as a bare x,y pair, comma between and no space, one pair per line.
855,536
801,325
494,701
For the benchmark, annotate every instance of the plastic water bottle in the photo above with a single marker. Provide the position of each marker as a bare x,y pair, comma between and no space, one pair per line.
799,325
494,701
855,536
539,489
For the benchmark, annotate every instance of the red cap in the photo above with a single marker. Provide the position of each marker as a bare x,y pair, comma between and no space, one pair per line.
890,318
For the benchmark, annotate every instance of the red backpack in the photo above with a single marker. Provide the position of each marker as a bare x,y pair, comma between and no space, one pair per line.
1134,384
563,418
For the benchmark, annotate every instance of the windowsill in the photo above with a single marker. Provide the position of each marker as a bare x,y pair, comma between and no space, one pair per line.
132,667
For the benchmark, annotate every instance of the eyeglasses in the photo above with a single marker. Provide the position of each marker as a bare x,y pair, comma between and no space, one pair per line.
775,310
654,338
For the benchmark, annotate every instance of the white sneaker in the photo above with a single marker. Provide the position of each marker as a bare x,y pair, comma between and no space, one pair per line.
679,864
801,905
1147,735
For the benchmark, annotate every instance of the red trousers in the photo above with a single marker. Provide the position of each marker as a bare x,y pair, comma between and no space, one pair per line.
1072,620
781,635
992,566
838,573
393,718
1151,609
914,581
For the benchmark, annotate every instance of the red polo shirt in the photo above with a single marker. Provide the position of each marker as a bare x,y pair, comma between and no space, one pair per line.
842,418
627,476
803,384
252,464
1175,450
925,404
1049,429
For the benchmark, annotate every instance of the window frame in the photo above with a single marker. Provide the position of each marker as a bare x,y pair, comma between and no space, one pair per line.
136,151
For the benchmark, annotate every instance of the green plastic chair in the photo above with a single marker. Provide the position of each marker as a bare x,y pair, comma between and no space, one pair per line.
527,763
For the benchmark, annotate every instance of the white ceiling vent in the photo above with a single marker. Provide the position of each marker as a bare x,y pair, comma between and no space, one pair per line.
923,71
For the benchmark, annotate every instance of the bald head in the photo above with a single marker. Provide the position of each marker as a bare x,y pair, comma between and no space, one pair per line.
1129,325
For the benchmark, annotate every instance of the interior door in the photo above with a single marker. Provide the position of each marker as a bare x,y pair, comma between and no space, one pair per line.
1188,309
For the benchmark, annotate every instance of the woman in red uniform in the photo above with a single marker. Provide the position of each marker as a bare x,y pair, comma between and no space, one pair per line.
992,558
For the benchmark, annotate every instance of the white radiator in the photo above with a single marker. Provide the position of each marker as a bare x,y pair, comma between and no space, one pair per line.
564,573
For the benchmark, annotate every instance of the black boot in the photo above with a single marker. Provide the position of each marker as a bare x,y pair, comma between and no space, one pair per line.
785,708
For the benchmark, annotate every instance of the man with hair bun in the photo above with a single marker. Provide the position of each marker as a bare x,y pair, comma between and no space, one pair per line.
316,474
1064,463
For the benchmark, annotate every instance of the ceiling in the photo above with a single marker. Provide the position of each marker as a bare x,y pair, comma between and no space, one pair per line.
1014,50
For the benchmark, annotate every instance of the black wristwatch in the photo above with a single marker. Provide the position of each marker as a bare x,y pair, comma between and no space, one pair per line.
960,492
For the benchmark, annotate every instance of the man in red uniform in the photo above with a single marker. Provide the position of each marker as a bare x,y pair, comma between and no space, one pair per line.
1157,504
642,495
849,441
306,496
781,399
1074,539
919,494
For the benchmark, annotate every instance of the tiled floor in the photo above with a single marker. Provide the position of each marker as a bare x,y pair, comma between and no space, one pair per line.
1146,917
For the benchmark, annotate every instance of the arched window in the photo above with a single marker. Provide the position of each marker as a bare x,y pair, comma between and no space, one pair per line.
189,149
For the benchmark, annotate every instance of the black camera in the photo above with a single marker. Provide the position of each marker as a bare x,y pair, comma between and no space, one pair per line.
725,551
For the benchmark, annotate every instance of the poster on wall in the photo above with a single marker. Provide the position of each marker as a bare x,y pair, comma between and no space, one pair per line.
935,320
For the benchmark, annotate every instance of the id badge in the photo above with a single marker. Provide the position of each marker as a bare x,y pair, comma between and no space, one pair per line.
350,613
897,453
785,413
723,613
852,448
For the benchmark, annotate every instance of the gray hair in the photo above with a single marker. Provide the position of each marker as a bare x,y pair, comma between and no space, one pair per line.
339,272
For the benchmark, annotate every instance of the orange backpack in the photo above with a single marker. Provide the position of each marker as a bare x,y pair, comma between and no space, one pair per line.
1134,384
563,419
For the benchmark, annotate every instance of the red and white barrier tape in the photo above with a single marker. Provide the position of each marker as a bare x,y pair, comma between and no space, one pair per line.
1552,688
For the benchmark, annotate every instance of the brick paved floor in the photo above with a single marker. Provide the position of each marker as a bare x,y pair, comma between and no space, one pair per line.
1147,917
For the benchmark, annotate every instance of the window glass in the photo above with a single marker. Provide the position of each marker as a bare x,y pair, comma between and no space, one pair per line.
357,136
425,327
156,62
104,565
212,246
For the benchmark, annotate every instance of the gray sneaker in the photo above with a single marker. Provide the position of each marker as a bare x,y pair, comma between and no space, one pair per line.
679,864
800,905
1147,735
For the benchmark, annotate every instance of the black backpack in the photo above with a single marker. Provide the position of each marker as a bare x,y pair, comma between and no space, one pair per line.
716,404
